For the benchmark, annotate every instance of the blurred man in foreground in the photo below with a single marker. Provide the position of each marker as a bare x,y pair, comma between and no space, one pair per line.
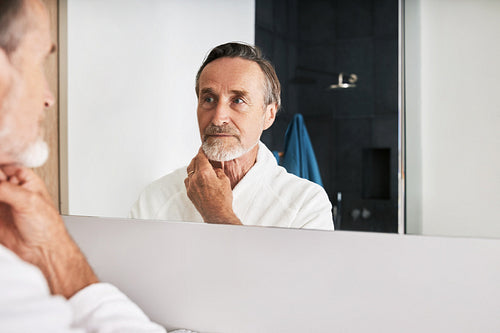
56,290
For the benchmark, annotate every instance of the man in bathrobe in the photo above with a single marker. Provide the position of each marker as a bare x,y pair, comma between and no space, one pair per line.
46,284
234,178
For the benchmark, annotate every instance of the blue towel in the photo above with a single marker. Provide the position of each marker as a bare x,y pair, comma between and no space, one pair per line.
299,157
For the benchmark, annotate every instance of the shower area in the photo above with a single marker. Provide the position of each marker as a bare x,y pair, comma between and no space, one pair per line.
337,61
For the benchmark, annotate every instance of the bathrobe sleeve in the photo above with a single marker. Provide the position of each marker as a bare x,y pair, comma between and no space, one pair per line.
26,304
101,307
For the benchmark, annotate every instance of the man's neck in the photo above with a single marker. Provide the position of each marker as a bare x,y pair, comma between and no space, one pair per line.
236,169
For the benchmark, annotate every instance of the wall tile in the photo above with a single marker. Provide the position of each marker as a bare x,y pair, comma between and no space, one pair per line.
317,57
264,14
354,19
316,21
386,18
265,41
281,17
384,129
386,76
355,56
322,135
352,135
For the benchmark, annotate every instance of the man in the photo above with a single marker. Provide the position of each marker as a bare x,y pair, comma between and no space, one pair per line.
56,290
234,178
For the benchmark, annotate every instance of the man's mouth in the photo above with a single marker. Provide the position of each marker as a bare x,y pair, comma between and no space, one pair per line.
220,132
221,135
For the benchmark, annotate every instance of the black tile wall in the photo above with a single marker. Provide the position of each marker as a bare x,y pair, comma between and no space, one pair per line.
264,15
384,14
323,139
281,17
354,19
316,21
264,39
386,76
318,57
383,129
356,57
315,98
310,42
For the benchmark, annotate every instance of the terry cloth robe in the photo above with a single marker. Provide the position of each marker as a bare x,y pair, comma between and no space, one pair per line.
266,196
298,157
26,304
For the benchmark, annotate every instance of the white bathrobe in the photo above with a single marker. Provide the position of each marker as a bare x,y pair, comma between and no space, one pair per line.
26,304
267,196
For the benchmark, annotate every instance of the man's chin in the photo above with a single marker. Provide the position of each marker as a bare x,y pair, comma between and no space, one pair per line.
35,155
216,151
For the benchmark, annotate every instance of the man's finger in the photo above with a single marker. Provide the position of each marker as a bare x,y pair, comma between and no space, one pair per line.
201,162
190,167
220,173
12,195
26,178
11,169
23,174
3,176
14,180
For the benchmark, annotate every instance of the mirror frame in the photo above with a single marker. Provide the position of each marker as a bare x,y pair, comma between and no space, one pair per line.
401,121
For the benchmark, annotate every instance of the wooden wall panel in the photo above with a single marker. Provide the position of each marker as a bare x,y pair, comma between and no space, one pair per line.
50,171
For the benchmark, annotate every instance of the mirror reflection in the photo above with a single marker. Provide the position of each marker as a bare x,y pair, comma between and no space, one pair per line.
131,78
234,178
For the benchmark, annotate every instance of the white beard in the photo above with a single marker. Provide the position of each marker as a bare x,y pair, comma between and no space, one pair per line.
218,151
34,155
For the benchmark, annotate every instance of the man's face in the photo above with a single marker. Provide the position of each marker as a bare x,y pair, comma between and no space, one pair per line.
231,109
25,91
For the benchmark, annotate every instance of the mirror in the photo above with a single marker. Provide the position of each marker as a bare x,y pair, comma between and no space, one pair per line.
132,106
120,65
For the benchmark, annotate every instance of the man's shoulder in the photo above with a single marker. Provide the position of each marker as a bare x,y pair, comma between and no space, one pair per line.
290,190
289,181
277,179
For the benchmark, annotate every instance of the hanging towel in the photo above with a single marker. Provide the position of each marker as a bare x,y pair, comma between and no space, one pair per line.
299,158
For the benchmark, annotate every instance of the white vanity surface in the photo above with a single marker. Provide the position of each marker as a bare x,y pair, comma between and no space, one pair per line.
216,278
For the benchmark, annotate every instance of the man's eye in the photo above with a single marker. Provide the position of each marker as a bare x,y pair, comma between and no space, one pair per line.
209,99
238,101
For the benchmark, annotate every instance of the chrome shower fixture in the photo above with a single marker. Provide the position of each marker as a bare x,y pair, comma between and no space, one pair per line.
345,82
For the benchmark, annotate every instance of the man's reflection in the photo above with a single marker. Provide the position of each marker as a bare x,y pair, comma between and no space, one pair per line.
234,178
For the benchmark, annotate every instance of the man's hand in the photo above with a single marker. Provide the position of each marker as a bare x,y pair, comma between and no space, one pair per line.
31,226
210,191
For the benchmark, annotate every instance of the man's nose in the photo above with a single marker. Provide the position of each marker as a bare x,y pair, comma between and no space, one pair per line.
221,116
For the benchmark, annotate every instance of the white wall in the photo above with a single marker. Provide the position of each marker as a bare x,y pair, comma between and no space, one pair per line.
458,122
131,99
222,278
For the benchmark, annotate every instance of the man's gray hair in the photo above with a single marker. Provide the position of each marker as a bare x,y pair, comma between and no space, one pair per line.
13,24
252,53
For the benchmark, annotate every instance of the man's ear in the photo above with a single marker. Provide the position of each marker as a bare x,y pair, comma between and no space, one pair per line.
270,115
